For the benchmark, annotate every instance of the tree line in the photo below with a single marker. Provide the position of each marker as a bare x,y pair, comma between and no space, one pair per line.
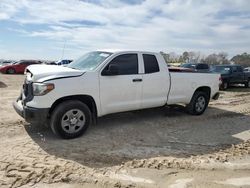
211,59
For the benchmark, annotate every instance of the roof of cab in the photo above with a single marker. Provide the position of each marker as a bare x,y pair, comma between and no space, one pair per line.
124,50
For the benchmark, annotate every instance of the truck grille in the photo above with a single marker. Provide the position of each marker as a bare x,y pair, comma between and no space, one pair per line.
25,89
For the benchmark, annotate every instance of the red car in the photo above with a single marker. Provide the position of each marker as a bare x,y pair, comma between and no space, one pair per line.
18,67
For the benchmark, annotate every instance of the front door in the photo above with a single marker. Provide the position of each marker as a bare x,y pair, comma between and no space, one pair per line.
121,91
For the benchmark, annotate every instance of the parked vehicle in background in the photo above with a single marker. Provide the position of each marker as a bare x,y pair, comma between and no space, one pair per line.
4,63
180,69
51,63
199,67
105,82
63,62
18,67
232,74
247,69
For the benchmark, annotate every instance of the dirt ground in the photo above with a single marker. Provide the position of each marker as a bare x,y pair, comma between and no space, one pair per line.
163,147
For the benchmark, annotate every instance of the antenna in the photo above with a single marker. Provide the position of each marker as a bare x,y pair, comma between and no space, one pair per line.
63,49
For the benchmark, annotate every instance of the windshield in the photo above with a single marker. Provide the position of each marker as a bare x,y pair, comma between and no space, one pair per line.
89,61
222,70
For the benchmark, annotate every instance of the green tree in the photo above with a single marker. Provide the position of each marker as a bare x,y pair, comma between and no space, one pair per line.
243,59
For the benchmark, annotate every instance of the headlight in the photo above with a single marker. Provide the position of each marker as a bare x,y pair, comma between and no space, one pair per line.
42,88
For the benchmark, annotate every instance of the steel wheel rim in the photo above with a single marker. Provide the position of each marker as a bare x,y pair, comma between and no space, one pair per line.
73,121
11,71
225,85
200,104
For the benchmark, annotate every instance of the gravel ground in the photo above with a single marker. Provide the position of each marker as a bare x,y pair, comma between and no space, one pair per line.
149,148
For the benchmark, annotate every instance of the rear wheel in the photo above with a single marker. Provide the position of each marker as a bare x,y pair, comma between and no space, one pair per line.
10,71
70,119
247,84
198,103
224,85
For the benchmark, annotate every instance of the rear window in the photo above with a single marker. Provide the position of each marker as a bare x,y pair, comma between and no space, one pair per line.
150,64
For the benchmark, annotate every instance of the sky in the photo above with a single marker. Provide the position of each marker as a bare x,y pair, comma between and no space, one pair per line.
41,29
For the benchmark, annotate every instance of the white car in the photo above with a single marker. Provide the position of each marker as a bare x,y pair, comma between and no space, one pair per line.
104,82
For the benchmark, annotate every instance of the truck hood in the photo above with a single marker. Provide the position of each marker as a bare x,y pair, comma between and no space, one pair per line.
41,73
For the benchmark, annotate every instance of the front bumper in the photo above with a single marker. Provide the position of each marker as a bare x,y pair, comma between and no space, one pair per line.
31,115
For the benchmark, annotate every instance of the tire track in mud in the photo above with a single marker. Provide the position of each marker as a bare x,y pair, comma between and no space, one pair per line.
29,167
193,162
24,162
28,164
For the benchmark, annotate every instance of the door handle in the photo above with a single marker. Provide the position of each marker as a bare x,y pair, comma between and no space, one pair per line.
137,80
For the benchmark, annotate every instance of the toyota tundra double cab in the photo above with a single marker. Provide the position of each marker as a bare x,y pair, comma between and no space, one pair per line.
109,81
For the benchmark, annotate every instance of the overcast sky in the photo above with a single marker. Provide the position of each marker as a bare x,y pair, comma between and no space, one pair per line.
40,28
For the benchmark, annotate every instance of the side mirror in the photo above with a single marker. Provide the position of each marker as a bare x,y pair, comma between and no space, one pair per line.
111,71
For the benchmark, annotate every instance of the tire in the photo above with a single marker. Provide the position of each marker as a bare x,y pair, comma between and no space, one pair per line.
70,119
10,71
198,103
224,85
247,84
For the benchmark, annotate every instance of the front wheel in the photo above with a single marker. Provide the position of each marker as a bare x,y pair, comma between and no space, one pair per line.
198,103
70,119
10,71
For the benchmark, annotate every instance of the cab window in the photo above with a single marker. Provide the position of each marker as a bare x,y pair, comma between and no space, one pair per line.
126,64
150,64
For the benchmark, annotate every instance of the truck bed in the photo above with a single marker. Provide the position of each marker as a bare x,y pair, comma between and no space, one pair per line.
182,78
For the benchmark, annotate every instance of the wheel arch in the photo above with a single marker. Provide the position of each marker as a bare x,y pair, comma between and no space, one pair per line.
86,99
191,106
205,89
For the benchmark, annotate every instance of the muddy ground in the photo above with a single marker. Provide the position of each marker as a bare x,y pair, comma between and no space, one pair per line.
163,147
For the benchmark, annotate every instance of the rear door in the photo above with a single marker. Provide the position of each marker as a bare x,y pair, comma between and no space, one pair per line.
155,82
123,91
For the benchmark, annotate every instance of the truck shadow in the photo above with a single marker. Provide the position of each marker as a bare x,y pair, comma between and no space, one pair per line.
145,134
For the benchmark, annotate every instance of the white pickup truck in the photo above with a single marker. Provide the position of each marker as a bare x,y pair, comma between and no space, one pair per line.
104,82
